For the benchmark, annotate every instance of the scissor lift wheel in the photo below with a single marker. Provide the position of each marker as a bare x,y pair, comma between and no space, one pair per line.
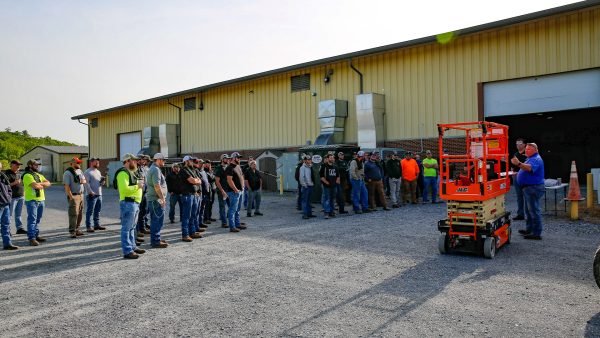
443,243
489,247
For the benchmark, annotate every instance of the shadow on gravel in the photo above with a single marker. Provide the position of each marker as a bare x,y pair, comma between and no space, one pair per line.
592,328
396,297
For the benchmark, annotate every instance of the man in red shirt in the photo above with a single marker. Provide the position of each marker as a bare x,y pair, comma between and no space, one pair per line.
410,173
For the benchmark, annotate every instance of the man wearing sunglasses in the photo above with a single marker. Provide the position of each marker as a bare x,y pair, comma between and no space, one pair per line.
34,183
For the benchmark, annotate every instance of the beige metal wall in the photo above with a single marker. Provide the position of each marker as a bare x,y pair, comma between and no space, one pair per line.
423,85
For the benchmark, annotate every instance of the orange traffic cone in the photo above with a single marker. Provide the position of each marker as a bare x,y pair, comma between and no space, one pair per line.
574,191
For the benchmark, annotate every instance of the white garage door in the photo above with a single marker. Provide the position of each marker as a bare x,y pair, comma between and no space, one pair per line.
129,143
564,91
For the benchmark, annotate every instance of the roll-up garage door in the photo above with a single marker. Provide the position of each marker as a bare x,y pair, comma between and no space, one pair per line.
129,143
556,92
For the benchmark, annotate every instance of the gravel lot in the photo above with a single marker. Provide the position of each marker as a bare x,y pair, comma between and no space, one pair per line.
376,274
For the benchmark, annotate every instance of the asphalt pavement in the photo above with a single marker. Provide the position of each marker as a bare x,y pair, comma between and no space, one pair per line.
377,274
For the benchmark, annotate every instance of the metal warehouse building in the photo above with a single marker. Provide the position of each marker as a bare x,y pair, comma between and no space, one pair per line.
539,73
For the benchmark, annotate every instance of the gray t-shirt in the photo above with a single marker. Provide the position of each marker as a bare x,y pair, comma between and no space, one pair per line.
155,176
93,177
68,179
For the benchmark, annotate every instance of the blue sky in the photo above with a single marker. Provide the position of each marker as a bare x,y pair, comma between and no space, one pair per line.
63,58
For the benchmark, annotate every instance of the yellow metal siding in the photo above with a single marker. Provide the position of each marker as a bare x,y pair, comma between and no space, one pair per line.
423,85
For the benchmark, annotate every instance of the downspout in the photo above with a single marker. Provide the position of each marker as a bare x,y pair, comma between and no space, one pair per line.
89,144
359,74
179,129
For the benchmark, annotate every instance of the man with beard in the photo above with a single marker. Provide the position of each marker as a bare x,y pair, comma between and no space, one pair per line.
221,182
234,188
73,180
130,195
205,197
157,200
16,204
359,190
253,181
330,180
5,199
95,180
210,175
344,187
142,221
34,184
190,184
174,188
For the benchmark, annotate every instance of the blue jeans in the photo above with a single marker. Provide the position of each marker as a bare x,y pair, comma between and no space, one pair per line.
195,221
93,207
35,211
222,210
360,197
173,200
328,198
157,219
299,200
521,206
254,198
233,214
430,182
16,208
533,194
187,203
203,202
306,207
129,214
5,225
142,222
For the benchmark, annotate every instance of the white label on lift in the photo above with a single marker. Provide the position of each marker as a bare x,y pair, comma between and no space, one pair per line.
317,159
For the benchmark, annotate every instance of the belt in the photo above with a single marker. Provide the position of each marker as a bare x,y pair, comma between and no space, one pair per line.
130,199
75,193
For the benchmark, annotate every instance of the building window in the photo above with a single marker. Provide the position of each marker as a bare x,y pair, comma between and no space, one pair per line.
300,82
189,104
94,123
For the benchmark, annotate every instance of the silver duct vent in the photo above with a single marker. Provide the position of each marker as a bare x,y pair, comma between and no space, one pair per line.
332,116
370,109
150,141
168,139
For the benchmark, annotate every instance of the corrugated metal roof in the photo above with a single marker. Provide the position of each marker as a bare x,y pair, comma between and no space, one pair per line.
67,149
350,56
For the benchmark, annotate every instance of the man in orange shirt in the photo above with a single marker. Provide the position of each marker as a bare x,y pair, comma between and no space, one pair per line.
410,173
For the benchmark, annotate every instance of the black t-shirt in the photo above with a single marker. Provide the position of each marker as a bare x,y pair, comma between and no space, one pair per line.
330,173
230,171
253,177
174,183
187,187
17,190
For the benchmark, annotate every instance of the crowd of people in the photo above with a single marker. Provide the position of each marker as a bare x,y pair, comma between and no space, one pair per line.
366,181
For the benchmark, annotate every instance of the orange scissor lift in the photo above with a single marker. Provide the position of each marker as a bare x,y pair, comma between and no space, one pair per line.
473,185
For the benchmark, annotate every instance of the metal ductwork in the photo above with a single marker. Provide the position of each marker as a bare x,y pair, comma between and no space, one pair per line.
168,136
370,110
150,141
332,116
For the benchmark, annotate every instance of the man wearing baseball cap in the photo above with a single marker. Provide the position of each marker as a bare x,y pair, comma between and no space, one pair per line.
221,181
357,178
73,181
190,184
16,185
157,200
93,199
130,187
34,183
234,188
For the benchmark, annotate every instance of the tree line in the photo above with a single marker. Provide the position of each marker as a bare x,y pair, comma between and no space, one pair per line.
13,144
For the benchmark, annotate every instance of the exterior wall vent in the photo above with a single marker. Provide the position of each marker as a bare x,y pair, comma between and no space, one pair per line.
189,104
300,82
